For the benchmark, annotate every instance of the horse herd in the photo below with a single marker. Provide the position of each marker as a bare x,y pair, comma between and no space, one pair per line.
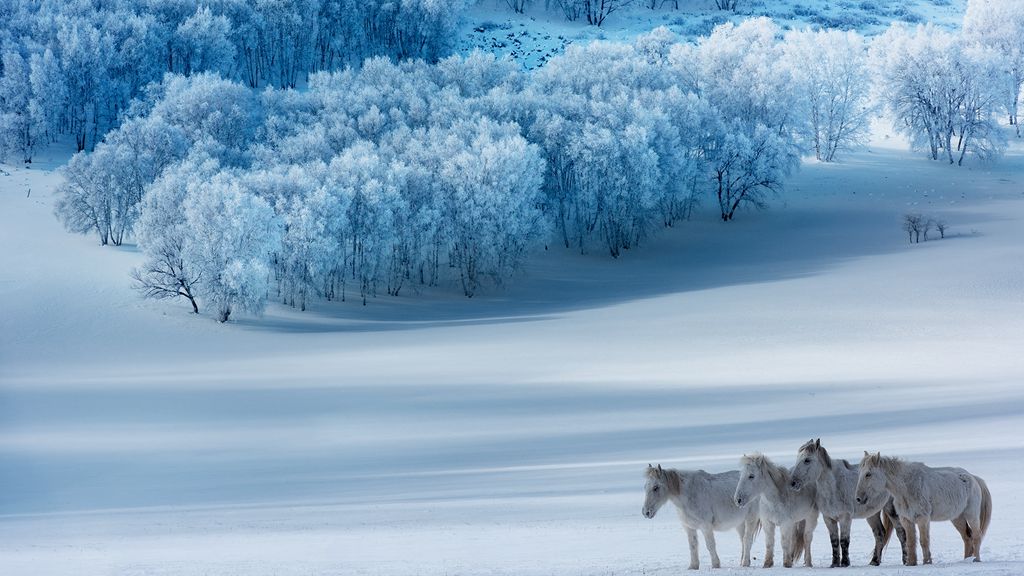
890,493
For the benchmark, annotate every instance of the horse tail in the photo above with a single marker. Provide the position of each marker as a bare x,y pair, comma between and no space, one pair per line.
986,506
887,527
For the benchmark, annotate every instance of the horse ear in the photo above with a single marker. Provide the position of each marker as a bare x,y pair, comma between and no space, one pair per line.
817,443
649,466
659,468
866,454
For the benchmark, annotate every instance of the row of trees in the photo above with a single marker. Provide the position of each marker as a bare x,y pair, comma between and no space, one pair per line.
408,174
404,174
74,66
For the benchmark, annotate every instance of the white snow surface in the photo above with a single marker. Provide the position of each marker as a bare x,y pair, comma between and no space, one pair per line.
507,434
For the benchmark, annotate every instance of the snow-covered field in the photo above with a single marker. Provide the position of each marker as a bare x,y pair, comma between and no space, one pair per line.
507,434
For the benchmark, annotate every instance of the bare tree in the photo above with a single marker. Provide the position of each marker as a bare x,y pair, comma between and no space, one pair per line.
572,9
598,10
941,226
165,275
913,225
518,6
727,4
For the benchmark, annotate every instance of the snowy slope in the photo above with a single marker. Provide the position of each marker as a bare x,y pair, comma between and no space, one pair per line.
533,37
507,434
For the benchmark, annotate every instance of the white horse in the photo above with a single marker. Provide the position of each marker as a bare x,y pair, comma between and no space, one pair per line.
922,494
705,503
795,513
835,482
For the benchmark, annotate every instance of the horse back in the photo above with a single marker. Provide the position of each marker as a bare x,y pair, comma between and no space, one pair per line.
708,500
951,491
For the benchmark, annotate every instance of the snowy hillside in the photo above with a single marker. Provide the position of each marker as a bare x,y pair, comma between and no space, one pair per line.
507,434
533,37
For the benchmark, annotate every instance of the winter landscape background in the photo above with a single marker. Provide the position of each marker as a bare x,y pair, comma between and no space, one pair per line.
427,432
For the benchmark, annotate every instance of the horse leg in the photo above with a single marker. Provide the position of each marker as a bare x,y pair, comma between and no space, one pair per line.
769,544
901,535
747,531
787,533
894,521
833,537
974,532
960,523
923,525
691,537
879,532
808,534
911,530
709,541
845,523
741,531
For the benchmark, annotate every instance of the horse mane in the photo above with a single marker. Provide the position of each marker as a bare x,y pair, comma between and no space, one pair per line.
777,474
890,464
815,447
670,477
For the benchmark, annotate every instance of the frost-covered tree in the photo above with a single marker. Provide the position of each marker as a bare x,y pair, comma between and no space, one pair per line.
747,168
942,94
203,44
97,57
999,25
209,108
740,70
490,201
49,95
102,191
18,130
750,141
830,73
311,260
83,205
233,234
162,232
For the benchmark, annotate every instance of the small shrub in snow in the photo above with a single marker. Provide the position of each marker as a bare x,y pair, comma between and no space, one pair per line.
918,226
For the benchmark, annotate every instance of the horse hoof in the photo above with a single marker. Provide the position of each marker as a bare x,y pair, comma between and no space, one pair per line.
875,563
977,559
846,563
693,567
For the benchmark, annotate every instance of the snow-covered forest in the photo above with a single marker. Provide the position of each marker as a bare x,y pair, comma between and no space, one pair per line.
366,160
